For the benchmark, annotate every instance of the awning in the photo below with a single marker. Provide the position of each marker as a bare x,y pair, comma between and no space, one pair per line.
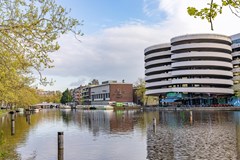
168,100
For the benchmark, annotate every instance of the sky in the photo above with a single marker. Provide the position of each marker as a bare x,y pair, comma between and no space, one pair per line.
116,34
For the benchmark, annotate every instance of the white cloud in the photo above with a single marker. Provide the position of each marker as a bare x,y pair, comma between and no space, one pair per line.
81,81
116,53
150,7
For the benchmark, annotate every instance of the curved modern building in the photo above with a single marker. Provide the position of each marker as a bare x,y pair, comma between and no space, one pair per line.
236,61
192,66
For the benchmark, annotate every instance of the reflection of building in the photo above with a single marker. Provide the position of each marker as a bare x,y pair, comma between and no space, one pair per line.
109,121
97,121
111,91
198,66
211,136
122,121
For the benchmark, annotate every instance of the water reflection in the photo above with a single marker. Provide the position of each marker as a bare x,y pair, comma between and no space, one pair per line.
28,117
121,135
195,135
111,122
12,123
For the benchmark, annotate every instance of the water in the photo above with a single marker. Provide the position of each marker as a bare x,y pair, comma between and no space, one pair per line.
117,135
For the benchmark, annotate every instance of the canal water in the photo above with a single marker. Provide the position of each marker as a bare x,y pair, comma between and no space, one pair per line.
122,134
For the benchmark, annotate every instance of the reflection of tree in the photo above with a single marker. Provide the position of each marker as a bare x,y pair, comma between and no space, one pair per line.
97,121
114,121
9,143
6,150
119,121
22,129
67,116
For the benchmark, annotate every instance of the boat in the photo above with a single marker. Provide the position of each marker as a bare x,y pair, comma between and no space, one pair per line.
98,107
65,107
36,110
20,110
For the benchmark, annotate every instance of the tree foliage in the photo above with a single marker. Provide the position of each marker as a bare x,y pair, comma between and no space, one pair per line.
214,8
54,97
66,97
31,27
140,90
29,30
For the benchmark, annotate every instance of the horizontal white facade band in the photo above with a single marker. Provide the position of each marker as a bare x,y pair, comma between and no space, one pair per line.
194,63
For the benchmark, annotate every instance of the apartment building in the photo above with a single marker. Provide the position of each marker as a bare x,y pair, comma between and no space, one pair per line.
111,91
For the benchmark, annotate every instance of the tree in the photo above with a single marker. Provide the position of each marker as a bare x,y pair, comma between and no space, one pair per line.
95,82
12,79
140,90
66,97
26,97
213,9
29,30
54,97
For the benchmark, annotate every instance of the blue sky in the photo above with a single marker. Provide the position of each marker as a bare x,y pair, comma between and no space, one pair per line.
116,34
99,14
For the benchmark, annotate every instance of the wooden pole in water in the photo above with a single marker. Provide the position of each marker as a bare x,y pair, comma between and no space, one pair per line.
60,146
154,125
28,116
191,117
12,123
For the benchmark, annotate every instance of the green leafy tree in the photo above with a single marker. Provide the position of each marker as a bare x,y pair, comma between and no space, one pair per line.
140,90
31,27
214,8
29,30
27,96
66,97
12,77
54,97
236,88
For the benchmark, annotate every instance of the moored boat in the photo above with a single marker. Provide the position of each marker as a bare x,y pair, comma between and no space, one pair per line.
65,107
99,107
20,110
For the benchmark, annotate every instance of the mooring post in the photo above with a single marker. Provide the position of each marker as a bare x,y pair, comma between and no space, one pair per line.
60,146
154,125
12,123
191,117
28,116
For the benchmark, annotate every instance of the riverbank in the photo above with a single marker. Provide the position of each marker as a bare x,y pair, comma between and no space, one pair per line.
106,107
193,108
162,108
